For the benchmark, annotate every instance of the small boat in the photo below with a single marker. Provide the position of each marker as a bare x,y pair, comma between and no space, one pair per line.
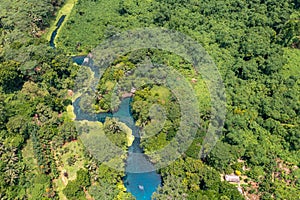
86,60
141,187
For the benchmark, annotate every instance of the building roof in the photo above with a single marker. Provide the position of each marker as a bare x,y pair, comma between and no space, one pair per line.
232,178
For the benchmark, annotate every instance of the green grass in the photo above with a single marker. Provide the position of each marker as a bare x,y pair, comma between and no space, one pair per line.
36,187
293,65
110,85
28,156
100,146
75,148
292,68
162,92
202,94
128,132
96,131
70,112
199,87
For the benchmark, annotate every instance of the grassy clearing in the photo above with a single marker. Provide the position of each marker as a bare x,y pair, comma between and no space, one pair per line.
70,112
162,92
293,65
128,132
202,94
99,144
72,149
65,10
37,182
110,85
28,156
95,131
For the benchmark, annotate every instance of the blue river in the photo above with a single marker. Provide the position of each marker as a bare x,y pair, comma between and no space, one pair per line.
141,178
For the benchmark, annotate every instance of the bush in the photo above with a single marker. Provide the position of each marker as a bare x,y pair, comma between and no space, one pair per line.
74,189
71,160
237,172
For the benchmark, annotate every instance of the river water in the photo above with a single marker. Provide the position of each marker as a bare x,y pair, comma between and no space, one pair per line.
141,178
54,33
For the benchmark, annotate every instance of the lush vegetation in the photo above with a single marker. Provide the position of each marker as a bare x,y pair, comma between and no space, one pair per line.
34,81
255,45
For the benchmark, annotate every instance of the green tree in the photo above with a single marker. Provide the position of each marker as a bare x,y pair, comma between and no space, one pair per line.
10,76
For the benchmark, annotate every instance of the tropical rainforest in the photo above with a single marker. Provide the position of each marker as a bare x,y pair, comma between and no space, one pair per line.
255,46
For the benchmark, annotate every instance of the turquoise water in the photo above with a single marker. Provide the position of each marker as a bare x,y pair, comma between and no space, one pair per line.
141,179
149,181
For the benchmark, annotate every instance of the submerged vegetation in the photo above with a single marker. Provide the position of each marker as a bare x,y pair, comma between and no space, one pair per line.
255,45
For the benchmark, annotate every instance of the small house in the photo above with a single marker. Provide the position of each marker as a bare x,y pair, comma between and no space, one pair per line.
232,178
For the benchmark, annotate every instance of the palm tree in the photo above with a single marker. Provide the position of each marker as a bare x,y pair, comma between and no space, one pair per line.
11,175
11,158
2,149
112,125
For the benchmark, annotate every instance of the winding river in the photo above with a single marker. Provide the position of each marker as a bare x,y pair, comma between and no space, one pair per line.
138,182
54,33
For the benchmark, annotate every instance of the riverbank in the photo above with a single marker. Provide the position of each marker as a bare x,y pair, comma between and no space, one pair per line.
65,10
